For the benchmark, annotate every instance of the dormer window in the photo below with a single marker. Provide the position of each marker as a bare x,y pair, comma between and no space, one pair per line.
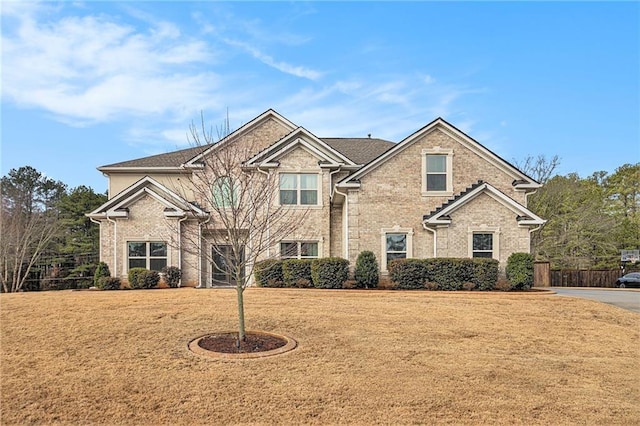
437,176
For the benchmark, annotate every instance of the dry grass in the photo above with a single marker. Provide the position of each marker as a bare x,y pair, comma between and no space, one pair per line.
364,357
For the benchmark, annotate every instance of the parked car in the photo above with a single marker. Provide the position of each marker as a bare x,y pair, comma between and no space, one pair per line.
630,280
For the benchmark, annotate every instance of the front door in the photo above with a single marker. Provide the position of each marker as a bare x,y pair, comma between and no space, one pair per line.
223,265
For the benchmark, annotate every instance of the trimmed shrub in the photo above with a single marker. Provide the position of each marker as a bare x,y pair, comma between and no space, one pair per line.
172,275
268,273
329,272
297,273
520,271
408,273
134,277
148,279
366,271
485,273
102,270
450,273
109,283
444,273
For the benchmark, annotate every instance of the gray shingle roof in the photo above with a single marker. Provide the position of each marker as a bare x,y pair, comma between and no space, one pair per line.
170,159
359,150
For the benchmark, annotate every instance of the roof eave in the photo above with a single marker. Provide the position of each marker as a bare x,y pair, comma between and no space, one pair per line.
171,169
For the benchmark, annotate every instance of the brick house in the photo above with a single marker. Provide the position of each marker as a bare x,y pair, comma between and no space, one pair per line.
436,193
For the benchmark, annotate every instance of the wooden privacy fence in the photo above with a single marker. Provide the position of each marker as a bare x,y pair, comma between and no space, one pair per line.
544,276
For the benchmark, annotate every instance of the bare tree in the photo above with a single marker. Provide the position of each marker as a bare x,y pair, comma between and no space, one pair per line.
246,220
540,168
28,223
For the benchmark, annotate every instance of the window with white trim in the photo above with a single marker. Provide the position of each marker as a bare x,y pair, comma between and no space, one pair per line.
437,173
482,245
484,241
396,243
151,255
299,249
396,247
299,189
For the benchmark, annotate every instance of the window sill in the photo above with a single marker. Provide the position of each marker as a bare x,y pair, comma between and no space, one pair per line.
437,193
300,207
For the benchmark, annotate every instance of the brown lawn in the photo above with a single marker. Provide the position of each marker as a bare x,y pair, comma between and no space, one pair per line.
364,357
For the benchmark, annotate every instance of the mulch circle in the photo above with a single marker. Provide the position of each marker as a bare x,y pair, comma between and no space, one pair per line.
257,344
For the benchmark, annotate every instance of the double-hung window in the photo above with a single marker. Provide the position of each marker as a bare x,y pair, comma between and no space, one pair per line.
299,249
436,172
397,243
151,255
482,245
437,176
299,189
396,246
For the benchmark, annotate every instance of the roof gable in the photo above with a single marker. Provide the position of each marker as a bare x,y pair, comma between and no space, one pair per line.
520,179
176,160
440,216
262,118
300,137
175,205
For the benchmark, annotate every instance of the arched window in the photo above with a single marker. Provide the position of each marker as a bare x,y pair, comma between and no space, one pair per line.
225,192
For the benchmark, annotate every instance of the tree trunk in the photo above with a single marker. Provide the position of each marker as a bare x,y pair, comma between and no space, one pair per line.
241,331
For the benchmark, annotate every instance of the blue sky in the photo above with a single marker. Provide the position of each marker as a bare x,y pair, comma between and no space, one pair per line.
86,84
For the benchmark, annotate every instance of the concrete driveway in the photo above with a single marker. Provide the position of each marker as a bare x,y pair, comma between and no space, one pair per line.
626,299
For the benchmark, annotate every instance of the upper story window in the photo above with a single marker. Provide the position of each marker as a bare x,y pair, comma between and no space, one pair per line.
299,189
298,249
437,173
225,192
151,255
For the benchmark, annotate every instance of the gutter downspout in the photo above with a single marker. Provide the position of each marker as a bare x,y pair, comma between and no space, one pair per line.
435,239
115,245
346,223
200,251
180,246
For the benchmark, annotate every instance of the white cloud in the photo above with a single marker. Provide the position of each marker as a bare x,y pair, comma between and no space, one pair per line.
93,68
295,70
86,69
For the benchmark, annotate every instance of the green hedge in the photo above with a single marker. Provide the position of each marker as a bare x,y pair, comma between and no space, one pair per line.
268,273
366,272
297,273
102,270
109,283
149,279
329,272
143,278
172,275
133,276
408,273
520,271
444,273
485,274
